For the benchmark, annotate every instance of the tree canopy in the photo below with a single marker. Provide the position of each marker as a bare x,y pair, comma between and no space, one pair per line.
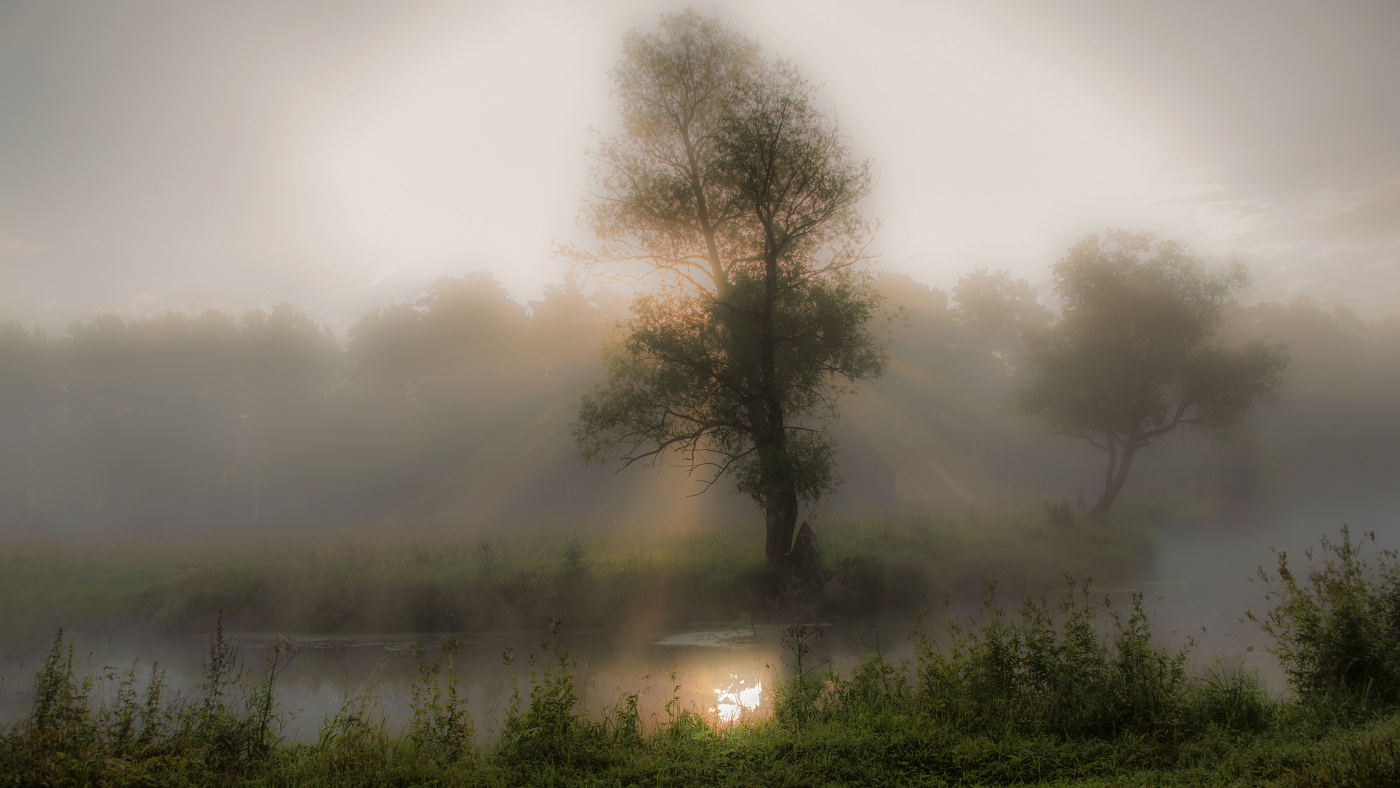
738,201
994,312
162,422
1137,352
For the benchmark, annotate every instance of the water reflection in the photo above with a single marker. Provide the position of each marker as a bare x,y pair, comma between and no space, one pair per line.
1198,587
733,703
670,671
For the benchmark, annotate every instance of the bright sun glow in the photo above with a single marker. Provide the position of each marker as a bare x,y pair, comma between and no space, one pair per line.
732,702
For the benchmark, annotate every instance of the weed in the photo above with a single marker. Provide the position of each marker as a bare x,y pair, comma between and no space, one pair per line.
440,724
1339,630
547,728
1233,698
798,697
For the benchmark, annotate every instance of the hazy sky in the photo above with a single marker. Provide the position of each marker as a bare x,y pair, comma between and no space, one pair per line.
340,155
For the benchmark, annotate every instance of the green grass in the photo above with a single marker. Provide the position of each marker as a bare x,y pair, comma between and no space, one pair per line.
463,580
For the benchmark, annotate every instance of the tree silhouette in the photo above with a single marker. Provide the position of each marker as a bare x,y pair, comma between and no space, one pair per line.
736,201
1137,353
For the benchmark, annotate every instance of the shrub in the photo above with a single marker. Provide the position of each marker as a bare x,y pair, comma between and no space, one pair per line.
77,734
799,698
1060,515
1076,669
441,724
547,729
1337,630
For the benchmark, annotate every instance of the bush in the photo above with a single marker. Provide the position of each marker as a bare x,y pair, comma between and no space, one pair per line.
1060,515
78,734
546,729
1077,669
441,724
1337,631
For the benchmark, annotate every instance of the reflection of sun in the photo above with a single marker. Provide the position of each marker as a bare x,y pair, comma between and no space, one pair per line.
732,703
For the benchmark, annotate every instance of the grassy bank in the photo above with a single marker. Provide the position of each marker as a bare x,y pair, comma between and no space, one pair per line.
1064,692
421,580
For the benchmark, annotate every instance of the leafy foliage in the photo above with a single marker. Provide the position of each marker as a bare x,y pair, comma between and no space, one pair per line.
441,723
994,312
684,380
731,193
1059,515
1338,629
1076,669
1051,668
76,734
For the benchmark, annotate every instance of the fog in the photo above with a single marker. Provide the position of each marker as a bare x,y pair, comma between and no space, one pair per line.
457,410
285,335
344,156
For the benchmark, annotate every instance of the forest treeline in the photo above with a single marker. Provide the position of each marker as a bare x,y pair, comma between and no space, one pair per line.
459,407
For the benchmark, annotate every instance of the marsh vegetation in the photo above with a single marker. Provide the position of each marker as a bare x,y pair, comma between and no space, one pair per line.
1067,688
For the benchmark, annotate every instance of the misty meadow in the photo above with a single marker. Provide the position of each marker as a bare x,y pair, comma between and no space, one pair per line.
739,498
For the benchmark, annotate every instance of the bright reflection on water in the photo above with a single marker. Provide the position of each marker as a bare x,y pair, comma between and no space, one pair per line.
670,671
1200,578
733,703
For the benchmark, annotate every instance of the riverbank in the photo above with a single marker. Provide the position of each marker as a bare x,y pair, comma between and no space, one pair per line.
1062,693
405,579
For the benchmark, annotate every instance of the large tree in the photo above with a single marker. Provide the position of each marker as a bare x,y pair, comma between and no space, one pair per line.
1137,352
737,202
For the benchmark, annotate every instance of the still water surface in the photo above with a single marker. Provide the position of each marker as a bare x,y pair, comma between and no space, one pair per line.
719,672
1196,587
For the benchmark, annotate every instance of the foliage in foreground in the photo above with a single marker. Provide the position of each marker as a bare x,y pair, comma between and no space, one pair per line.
1073,692
1338,629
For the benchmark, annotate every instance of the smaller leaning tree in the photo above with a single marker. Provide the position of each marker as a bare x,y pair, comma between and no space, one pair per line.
1137,352
734,200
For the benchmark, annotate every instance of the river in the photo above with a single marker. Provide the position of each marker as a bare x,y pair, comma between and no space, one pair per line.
1196,587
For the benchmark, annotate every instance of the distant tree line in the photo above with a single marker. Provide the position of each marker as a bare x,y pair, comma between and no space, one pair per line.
217,419
458,407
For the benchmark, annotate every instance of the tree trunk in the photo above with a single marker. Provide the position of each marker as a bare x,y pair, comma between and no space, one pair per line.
781,509
1114,477
782,523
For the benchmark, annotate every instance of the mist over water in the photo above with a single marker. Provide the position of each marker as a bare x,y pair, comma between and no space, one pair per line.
428,474
1197,586
718,673
367,471
148,489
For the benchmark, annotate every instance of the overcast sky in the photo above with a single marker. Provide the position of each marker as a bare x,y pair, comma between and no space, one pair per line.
341,155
